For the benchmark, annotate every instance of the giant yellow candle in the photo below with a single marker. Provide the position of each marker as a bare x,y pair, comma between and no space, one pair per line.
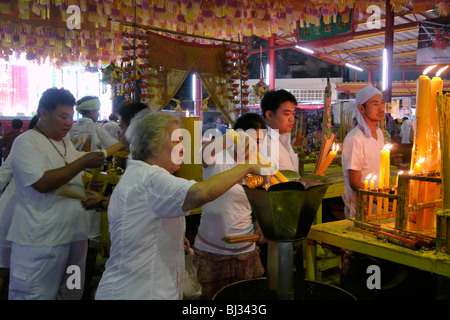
432,190
444,121
416,218
415,183
433,130
422,119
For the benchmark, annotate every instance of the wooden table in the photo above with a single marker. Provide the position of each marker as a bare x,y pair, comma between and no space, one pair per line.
343,234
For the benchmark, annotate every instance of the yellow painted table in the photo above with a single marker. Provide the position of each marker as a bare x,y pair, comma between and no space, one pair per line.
343,234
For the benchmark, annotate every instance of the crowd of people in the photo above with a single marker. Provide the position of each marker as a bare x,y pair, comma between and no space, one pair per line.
44,234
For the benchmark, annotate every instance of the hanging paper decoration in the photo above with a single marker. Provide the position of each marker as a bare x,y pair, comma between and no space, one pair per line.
99,40
237,68
259,90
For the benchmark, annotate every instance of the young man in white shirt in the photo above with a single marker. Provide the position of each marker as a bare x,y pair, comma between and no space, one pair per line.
362,146
278,108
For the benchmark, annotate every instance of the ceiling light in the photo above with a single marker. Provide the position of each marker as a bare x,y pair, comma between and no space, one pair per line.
305,49
353,66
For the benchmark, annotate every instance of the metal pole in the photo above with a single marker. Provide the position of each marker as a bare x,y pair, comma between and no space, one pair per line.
389,44
272,63
280,269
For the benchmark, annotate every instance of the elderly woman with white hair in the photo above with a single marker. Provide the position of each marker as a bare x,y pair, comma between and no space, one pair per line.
362,146
146,213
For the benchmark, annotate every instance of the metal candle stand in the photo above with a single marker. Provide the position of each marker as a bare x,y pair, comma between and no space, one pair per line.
285,213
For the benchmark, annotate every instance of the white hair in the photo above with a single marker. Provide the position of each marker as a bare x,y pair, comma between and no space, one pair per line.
147,131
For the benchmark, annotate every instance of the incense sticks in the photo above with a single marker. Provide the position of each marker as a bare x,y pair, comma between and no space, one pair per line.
324,150
240,239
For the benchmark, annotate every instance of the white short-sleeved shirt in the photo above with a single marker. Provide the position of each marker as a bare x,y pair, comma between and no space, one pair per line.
7,203
360,153
147,226
283,157
44,219
83,131
228,215
113,128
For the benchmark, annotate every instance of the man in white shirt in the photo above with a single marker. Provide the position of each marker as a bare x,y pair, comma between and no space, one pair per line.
48,232
112,126
87,134
278,108
405,130
362,146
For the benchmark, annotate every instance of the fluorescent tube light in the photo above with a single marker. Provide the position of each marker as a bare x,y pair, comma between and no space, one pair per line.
305,49
353,66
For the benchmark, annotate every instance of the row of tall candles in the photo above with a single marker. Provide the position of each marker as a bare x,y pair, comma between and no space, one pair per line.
383,182
426,154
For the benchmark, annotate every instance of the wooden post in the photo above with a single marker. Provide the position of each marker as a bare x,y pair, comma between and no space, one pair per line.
447,233
359,206
401,217
439,232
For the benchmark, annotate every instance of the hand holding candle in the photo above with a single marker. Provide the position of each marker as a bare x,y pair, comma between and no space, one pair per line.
233,134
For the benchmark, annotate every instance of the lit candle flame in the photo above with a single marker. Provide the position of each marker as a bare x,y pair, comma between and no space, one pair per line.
410,172
401,172
187,113
440,71
335,147
374,177
387,147
369,176
428,69
421,160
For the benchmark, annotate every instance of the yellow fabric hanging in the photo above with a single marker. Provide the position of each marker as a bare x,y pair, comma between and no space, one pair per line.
170,70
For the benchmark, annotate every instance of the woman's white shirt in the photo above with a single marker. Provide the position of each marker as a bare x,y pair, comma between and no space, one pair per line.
147,227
